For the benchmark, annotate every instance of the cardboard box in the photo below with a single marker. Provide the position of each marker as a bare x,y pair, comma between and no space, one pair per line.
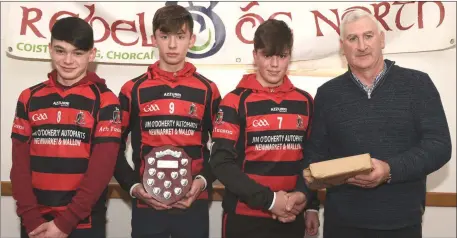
335,172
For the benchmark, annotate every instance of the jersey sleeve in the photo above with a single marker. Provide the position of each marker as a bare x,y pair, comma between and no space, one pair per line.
21,126
123,173
208,122
108,128
215,102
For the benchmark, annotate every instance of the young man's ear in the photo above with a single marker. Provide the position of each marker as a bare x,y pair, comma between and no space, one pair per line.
92,54
192,40
50,49
254,56
154,40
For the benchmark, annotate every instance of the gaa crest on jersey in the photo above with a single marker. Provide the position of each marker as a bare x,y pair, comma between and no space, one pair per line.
80,120
193,110
219,117
116,116
300,122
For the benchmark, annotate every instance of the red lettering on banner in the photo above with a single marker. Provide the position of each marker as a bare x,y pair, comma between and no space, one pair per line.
397,17
254,19
335,22
250,17
251,4
420,13
322,18
379,16
26,22
105,27
115,27
318,15
108,30
144,37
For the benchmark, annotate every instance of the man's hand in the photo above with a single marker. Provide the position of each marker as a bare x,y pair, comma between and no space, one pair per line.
312,223
296,202
378,175
194,192
139,192
48,230
40,231
279,208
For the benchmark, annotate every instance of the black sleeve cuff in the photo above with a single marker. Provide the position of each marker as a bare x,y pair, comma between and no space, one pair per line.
98,140
313,202
20,137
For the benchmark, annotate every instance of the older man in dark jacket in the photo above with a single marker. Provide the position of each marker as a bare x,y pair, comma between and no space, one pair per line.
391,112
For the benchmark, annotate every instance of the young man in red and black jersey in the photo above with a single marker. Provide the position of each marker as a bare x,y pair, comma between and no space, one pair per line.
169,105
65,137
257,150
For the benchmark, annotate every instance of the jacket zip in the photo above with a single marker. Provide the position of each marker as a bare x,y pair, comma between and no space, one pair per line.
371,90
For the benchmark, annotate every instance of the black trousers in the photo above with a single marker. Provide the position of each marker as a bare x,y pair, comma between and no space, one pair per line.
177,223
239,226
333,230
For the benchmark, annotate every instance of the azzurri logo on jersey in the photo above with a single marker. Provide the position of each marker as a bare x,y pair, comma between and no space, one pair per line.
212,29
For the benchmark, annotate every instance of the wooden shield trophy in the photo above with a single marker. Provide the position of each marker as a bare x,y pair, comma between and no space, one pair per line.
167,174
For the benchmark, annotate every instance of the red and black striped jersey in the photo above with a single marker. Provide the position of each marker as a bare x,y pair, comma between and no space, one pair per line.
163,108
62,127
258,141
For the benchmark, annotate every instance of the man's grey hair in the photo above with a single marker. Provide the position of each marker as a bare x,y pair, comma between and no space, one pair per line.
355,15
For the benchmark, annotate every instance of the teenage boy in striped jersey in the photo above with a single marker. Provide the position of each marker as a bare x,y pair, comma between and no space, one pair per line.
65,137
258,137
170,97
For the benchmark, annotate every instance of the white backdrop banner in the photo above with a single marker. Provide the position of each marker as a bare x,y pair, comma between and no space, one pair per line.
225,30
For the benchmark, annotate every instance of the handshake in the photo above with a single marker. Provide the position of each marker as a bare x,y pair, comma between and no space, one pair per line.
288,205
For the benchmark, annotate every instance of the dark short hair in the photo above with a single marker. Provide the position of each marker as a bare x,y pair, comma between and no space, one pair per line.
274,37
170,19
74,31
